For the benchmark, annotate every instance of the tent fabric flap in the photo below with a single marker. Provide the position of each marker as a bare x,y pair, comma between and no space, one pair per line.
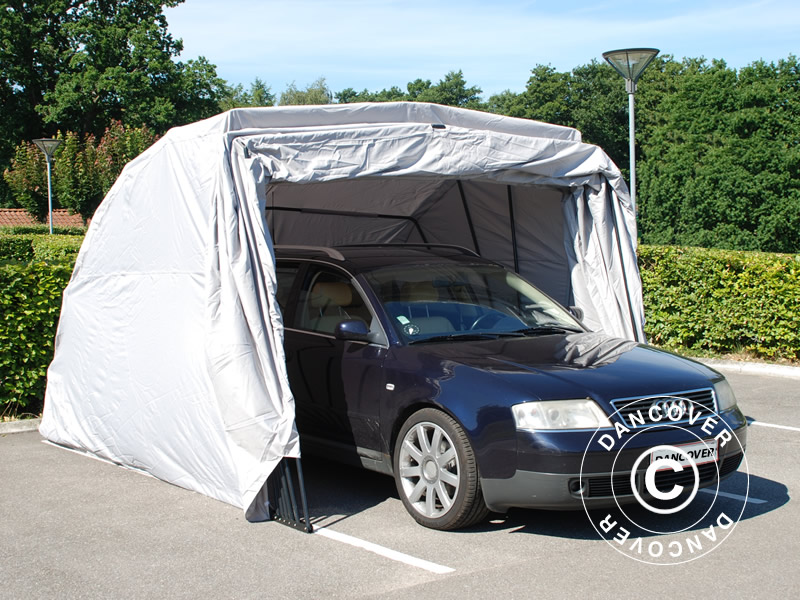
169,351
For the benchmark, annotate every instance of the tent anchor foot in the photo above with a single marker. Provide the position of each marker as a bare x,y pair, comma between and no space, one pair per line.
282,486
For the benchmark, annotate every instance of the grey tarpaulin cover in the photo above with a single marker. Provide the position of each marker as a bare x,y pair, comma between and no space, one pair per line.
169,353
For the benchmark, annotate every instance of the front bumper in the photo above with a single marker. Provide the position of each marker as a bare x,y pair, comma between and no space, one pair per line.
570,479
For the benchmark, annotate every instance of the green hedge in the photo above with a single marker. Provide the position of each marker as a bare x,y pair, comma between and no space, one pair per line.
34,270
42,229
722,301
39,247
30,302
14,247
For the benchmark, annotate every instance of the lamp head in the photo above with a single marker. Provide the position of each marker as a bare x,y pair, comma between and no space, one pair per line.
47,145
630,62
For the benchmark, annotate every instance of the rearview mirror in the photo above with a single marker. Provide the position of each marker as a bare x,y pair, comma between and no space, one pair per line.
354,330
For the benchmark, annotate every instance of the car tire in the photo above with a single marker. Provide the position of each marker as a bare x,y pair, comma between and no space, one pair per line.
436,472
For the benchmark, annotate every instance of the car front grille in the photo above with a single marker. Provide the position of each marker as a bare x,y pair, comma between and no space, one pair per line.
601,487
703,401
730,464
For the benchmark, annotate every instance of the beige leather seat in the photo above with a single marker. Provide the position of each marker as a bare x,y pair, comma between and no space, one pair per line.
331,303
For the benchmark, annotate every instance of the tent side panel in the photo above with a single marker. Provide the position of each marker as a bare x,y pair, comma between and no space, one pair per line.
539,219
601,245
129,379
446,216
488,206
244,342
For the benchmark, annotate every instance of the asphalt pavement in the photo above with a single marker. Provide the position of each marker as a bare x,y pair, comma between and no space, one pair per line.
74,527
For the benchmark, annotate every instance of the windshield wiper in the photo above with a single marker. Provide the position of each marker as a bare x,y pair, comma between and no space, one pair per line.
450,337
547,330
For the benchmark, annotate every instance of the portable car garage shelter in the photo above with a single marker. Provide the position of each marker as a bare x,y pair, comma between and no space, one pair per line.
169,352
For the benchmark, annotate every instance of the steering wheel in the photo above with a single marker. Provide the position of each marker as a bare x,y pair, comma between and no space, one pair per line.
487,320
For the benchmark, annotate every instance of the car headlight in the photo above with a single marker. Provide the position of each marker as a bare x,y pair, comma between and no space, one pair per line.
725,397
560,414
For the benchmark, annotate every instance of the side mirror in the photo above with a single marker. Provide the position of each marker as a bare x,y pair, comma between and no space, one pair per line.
576,312
354,330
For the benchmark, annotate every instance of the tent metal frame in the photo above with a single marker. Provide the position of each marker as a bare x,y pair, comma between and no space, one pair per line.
469,217
345,213
283,485
463,249
513,226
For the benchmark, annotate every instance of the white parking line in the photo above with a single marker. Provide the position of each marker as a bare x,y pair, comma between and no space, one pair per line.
749,499
385,552
775,426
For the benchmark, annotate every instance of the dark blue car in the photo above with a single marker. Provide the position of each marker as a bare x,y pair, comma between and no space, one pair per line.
479,393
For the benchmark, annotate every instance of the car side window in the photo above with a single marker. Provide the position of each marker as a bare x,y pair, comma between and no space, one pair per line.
328,298
285,276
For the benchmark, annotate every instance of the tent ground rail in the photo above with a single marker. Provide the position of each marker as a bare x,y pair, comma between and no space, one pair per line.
283,487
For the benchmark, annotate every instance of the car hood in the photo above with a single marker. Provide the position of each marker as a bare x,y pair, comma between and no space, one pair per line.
576,365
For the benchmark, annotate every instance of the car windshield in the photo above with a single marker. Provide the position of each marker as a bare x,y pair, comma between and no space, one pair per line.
439,302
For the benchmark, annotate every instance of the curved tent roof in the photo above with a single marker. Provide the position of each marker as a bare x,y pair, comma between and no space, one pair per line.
169,352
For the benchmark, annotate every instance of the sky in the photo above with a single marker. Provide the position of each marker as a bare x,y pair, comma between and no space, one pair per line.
378,44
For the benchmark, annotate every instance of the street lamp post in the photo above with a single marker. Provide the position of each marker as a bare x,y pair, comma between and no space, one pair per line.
630,63
48,146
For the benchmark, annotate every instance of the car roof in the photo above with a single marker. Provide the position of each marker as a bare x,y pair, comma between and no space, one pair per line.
366,257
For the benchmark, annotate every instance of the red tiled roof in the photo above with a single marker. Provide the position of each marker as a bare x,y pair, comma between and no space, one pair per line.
15,217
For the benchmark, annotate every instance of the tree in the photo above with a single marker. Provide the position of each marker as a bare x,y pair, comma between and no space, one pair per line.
349,95
599,110
451,90
118,146
30,44
316,93
83,169
504,103
718,159
721,166
546,98
76,65
259,94
27,180
197,95
416,88
78,174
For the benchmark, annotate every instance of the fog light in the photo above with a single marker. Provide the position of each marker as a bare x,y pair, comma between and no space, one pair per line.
576,487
